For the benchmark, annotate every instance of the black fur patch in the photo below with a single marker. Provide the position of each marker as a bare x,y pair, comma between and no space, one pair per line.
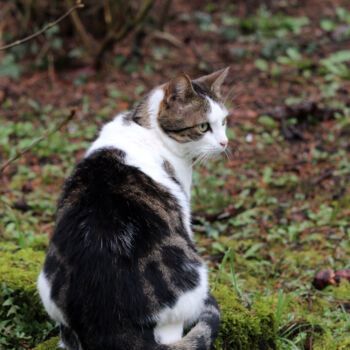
51,264
161,289
69,339
183,271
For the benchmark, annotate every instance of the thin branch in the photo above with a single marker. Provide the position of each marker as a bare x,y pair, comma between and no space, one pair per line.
165,15
48,26
88,40
124,31
44,136
157,34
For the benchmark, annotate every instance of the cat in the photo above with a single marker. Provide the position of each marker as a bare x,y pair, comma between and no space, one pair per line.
122,270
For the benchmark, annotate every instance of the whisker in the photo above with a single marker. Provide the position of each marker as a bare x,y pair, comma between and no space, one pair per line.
237,106
235,96
231,95
227,157
198,159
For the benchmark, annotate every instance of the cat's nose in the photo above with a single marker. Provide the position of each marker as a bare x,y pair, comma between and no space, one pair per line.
224,143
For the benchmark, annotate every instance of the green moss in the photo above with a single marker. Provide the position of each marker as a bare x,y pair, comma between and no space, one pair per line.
328,341
39,243
19,269
49,344
298,259
243,328
341,292
22,314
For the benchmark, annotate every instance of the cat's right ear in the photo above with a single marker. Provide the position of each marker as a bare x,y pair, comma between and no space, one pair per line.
179,88
214,80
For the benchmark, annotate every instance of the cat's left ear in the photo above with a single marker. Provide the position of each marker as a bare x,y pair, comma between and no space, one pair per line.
214,80
180,88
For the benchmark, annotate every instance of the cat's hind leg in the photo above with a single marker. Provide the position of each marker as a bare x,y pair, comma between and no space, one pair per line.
69,340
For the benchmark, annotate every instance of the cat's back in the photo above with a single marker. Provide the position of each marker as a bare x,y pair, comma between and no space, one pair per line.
108,200
119,230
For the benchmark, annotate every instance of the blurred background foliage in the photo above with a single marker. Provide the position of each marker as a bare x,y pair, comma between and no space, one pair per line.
94,29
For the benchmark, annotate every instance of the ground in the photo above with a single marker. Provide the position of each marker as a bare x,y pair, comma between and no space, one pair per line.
268,217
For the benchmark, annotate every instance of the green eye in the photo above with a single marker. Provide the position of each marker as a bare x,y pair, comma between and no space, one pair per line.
203,127
224,121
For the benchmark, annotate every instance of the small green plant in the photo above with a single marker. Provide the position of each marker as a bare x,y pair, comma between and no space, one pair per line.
16,332
232,276
281,304
9,67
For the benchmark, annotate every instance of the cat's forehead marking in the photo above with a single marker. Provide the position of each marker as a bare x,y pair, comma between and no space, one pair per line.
217,111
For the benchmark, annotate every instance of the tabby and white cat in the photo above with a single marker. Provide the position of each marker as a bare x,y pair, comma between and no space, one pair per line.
122,270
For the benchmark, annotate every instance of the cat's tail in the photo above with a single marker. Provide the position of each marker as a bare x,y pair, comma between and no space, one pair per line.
203,334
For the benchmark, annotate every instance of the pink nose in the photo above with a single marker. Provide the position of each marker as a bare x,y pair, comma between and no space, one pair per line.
224,143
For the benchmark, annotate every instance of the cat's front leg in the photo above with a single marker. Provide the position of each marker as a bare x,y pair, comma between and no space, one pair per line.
168,333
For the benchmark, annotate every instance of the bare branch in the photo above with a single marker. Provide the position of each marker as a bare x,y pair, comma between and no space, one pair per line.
44,136
157,34
48,26
89,42
124,30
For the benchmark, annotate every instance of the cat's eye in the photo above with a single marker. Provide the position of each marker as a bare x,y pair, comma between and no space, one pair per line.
203,127
224,121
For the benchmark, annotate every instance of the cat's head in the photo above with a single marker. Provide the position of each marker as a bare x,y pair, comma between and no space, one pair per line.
192,115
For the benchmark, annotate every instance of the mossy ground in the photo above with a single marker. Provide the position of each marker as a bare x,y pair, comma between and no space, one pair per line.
241,327
19,270
23,320
51,344
244,327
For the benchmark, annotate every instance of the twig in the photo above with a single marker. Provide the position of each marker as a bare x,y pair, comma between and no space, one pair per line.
51,69
88,40
48,26
168,37
165,15
44,136
324,176
225,214
123,31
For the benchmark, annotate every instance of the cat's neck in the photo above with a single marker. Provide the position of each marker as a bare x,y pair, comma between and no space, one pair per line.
174,153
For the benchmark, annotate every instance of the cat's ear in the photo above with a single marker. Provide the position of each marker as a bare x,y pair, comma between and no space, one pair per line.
180,88
214,80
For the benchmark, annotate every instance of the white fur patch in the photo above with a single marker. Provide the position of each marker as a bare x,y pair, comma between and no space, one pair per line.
44,289
216,116
169,333
189,306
